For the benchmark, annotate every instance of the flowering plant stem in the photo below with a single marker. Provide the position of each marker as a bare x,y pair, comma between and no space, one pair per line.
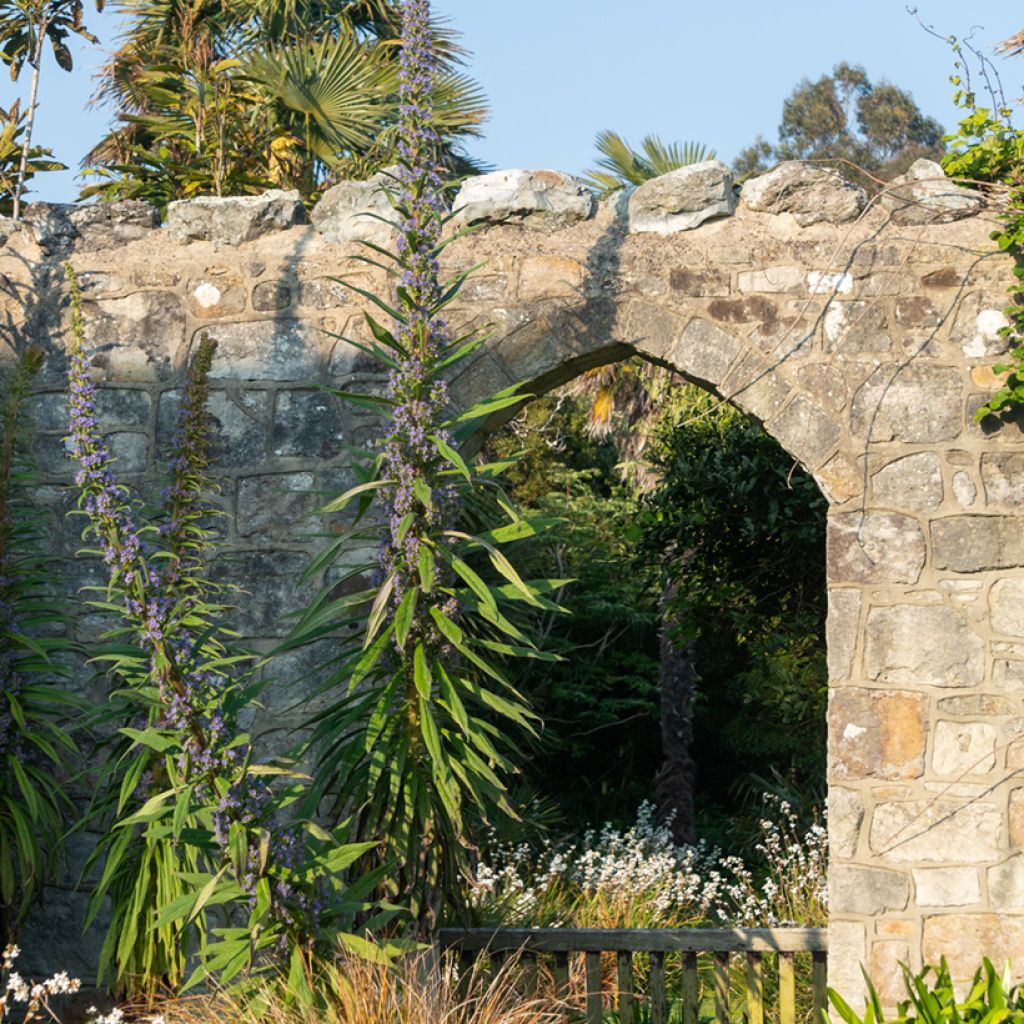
420,730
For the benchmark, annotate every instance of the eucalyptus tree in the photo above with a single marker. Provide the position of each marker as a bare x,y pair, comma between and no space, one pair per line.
25,28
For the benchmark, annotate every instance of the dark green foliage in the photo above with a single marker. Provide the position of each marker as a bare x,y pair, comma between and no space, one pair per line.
35,747
845,119
39,159
621,166
745,531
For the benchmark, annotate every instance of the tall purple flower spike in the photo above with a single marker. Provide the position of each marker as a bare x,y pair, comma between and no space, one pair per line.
410,454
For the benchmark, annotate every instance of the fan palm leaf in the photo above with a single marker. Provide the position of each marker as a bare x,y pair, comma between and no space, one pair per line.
620,166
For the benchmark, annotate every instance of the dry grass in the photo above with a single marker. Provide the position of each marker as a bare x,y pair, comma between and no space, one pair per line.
419,989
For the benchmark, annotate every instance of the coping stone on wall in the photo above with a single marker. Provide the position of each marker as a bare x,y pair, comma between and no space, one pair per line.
538,199
348,211
61,228
234,219
924,195
682,199
810,194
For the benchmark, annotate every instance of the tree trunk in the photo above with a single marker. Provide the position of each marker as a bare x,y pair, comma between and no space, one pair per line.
37,60
676,780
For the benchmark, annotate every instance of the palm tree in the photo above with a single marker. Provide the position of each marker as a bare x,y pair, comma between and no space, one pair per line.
25,28
621,166
626,400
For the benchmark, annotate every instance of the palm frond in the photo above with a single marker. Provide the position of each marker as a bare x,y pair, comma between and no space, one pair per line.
620,166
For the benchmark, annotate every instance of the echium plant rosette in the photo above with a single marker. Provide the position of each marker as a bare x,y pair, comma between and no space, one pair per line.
191,823
35,745
425,716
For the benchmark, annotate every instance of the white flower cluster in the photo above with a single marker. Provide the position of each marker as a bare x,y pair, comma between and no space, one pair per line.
34,995
640,878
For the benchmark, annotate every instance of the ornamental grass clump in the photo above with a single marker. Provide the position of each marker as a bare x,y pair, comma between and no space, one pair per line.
35,746
415,743
196,857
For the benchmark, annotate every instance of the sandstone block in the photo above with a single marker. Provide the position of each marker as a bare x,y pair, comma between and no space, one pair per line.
704,352
964,749
549,277
876,734
308,424
278,350
349,211
772,280
974,543
215,297
847,947
862,890
538,199
811,194
885,969
976,705
946,887
806,431
856,327
1007,609
236,219
960,938
1015,820
845,817
930,831
1008,676
913,403
875,547
842,631
682,200
1002,476
922,645
1006,884
913,482
924,195
135,338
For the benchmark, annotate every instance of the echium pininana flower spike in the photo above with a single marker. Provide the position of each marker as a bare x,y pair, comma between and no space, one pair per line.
189,463
410,453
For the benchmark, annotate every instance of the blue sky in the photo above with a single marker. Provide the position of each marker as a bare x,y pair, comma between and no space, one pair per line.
558,71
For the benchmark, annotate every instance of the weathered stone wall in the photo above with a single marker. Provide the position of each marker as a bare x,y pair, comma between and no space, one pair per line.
862,339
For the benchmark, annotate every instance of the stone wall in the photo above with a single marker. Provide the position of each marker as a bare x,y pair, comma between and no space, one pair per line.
860,334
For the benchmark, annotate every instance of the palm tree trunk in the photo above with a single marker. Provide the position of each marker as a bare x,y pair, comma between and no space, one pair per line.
676,780
37,60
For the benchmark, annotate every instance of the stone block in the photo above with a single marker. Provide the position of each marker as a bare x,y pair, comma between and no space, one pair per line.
806,431
913,482
272,296
214,297
847,947
842,632
772,280
974,543
1015,820
1006,884
924,195
963,749
349,211
748,310
275,506
934,831
53,941
136,338
271,585
831,283
1002,477
811,194
946,887
917,311
239,424
976,705
874,547
63,228
976,329
277,350
116,407
235,219
876,734
845,817
964,490
856,327
885,969
1008,676
1006,607
549,277
912,402
963,938
703,352
869,891
698,283
840,479
922,645
682,199
308,424
547,200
